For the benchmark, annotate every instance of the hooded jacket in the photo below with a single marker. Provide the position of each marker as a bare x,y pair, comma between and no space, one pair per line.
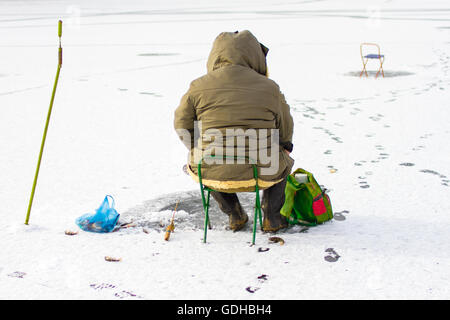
236,94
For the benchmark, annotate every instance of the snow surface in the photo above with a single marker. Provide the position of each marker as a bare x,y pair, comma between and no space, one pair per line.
126,65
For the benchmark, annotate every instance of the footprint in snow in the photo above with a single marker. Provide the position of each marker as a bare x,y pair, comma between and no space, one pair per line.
418,148
444,180
102,286
119,294
332,255
252,289
363,184
125,294
433,173
17,274
426,136
261,279
406,164
339,216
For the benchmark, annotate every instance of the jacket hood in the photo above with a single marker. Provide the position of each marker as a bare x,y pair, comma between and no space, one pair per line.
238,48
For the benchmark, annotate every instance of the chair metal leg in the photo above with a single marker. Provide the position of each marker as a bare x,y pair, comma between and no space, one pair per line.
364,69
380,70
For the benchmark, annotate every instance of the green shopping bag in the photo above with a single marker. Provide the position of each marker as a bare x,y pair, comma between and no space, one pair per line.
306,203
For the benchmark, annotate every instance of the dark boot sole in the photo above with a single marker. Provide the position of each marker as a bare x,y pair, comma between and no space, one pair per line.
239,226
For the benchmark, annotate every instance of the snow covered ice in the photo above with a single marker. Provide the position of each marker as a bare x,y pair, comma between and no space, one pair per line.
380,145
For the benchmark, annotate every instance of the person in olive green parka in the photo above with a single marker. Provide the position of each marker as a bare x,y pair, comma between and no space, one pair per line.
237,94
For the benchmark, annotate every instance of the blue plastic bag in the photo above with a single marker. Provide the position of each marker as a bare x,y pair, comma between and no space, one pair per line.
104,219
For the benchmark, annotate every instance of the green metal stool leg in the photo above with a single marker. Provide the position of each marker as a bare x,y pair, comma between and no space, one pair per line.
205,202
255,221
206,210
257,205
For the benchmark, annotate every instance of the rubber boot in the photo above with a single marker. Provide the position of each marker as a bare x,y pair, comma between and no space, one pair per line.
229,204
272,202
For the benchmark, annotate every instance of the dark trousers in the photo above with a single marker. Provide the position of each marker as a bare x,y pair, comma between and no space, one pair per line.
272,201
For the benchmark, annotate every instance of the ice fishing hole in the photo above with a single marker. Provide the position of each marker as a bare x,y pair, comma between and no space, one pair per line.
387,74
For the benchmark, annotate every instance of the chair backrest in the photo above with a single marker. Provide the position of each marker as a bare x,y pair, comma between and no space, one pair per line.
368,44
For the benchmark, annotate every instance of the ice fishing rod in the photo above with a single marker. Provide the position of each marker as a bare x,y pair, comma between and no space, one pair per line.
171,227
46,123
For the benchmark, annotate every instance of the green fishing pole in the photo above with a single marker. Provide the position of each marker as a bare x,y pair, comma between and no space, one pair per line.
47,122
